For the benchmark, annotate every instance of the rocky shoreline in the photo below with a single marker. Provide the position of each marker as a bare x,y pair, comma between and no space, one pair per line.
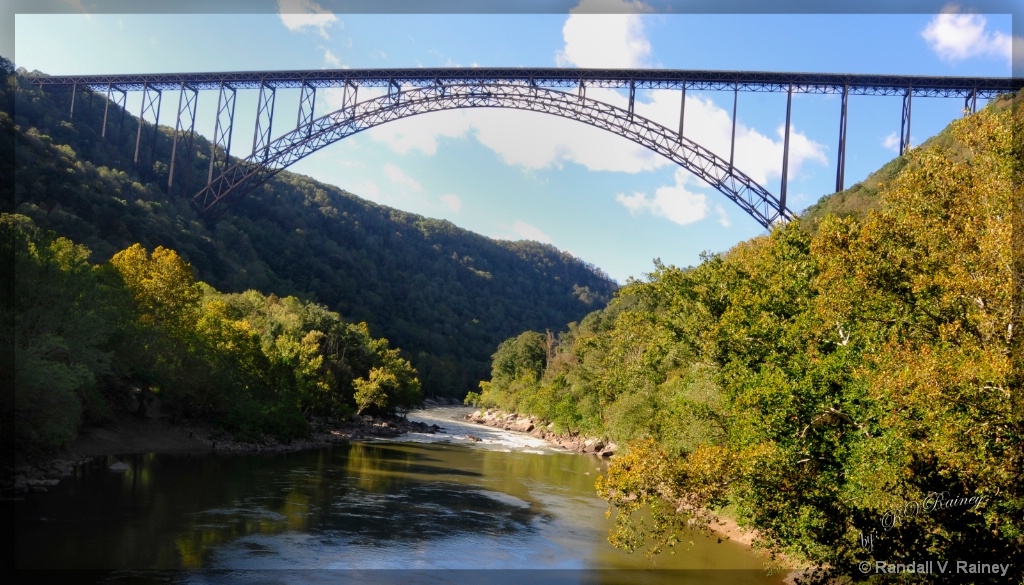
131,435
532,426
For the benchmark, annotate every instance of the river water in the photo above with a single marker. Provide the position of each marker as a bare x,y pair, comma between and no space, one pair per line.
420,508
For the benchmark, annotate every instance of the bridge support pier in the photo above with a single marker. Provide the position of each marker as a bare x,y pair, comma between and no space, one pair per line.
682,111
307,102
151,98
222,128
350,95
188,99
905,121
732,142
971,102
121,103
394,91
264,121
785,148
841,157
632,97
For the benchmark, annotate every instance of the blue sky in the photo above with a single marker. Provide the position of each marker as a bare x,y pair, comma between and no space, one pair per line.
521,175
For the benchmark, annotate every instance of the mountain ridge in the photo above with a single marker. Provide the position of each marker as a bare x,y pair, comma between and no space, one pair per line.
445,295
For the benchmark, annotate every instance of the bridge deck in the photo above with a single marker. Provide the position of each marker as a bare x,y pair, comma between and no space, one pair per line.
759,81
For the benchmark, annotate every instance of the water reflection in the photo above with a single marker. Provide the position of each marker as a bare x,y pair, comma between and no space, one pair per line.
382,507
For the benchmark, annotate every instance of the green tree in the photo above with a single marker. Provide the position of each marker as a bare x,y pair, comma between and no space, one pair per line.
61,332
857,371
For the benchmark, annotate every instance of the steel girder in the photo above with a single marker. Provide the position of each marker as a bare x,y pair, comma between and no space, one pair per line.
905,122
222,129
264,118
121,103
245,175
759,81
841,153
151,99
188,102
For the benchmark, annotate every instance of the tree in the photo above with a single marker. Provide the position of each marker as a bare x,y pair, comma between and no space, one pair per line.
161,347
864,374
390,385
61,327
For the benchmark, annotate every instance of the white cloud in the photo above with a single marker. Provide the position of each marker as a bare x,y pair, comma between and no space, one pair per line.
723,217
537,141
421,132
398,177
529,232
605,40
710,126
332,98
673,202
801,148
298,15
892,142
956,37
635,203
331,59
452,202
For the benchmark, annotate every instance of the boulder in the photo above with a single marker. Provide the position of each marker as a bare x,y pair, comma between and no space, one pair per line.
42,482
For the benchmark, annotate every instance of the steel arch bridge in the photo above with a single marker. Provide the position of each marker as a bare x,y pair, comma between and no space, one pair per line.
545,90
247,174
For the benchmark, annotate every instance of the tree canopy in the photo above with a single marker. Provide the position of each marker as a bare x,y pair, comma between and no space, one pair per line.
90,340
855,380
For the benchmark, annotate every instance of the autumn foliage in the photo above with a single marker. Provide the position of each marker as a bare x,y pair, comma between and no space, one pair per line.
94,340
824,388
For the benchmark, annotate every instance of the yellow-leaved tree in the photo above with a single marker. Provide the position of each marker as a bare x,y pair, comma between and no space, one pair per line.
161,344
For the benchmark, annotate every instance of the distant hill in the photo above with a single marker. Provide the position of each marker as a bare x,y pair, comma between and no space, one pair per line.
446,296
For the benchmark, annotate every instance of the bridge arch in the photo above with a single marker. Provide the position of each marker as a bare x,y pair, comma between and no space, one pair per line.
244,175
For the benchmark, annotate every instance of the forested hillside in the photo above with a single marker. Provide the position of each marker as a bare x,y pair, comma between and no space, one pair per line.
446,296
93,341
852,391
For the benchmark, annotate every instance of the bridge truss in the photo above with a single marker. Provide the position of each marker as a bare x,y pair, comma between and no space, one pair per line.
560,92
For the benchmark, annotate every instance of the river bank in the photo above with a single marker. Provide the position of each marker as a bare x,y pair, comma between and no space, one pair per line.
127,434
722,525
534,427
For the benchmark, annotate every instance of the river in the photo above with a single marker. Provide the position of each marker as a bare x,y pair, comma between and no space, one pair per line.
420,508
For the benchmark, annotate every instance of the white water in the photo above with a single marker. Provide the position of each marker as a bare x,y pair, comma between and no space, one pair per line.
455,428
